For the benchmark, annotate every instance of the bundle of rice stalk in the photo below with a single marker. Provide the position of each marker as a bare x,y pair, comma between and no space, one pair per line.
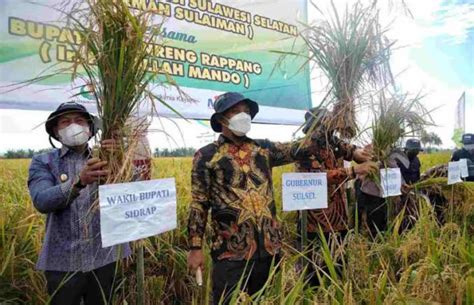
353,53
395,117
113,55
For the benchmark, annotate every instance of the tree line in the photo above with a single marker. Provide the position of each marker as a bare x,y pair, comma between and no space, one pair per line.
29,153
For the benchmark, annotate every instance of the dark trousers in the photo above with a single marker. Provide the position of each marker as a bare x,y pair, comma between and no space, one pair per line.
375,209
227,274
69,288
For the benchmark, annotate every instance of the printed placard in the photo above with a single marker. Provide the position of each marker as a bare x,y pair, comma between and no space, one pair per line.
454,172
136,210
463,167
391,182
304,191
37,36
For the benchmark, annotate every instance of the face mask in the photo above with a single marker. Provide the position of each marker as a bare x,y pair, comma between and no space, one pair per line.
412,154
74,135
240,124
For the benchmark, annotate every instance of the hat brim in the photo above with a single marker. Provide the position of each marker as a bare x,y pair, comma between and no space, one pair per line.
217,126
414,148
53,119
307,125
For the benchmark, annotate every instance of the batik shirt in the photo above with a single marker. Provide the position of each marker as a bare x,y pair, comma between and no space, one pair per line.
235,183
329,158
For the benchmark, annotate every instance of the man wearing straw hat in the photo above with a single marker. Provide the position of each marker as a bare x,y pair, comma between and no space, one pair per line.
63,185
232,177
329,158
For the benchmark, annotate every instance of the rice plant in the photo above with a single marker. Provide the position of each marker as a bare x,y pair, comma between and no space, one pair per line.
395,117
112,56
353,52
432,263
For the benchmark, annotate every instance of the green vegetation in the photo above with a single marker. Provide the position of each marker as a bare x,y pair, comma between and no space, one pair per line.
430,264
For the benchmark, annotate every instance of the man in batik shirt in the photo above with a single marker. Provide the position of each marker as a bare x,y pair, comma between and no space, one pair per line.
232,177
329,157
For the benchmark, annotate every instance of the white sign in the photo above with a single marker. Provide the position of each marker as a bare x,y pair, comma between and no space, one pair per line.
131,211
347,164
304,191
464,168
454,172
391,182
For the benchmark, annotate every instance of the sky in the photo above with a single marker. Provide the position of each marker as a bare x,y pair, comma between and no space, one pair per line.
434,55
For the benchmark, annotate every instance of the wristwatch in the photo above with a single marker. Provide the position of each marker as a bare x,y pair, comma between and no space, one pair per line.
78,183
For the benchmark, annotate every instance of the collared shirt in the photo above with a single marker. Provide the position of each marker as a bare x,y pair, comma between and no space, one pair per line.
329,158
235,183
72,241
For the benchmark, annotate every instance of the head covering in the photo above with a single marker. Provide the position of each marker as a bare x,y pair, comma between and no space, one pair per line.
226,101
468,140
313,114
70,107
413,144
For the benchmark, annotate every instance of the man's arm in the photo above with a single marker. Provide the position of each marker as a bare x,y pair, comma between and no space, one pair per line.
417,169
288,152
47,196
455,156
334,176
199,209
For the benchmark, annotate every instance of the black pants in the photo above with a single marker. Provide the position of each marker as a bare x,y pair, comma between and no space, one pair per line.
227,274
375,208
69,288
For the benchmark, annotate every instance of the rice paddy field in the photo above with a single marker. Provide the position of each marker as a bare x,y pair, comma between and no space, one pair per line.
428,264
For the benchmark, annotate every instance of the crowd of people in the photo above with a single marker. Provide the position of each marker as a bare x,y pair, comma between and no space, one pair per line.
231,180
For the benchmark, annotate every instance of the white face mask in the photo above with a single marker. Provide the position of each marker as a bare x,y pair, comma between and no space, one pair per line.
74,135
240,124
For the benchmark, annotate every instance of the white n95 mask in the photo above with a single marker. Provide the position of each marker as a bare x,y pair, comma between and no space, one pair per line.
74,135
240,124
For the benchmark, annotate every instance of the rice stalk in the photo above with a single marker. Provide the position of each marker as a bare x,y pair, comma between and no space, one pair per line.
396,116
112,56
353,52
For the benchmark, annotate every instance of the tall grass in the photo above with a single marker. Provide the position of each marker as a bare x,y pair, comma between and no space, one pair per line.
430,264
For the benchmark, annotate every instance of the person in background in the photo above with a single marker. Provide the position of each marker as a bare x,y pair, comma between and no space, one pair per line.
63,186
372,207
232,178
466,152
329,158
410,169
410,166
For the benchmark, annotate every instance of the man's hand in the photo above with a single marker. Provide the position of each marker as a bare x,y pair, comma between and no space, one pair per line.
366,168
93,171
362,154
195,260
110,145
406,188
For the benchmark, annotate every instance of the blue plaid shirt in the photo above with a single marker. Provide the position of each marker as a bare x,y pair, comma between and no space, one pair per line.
72,241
